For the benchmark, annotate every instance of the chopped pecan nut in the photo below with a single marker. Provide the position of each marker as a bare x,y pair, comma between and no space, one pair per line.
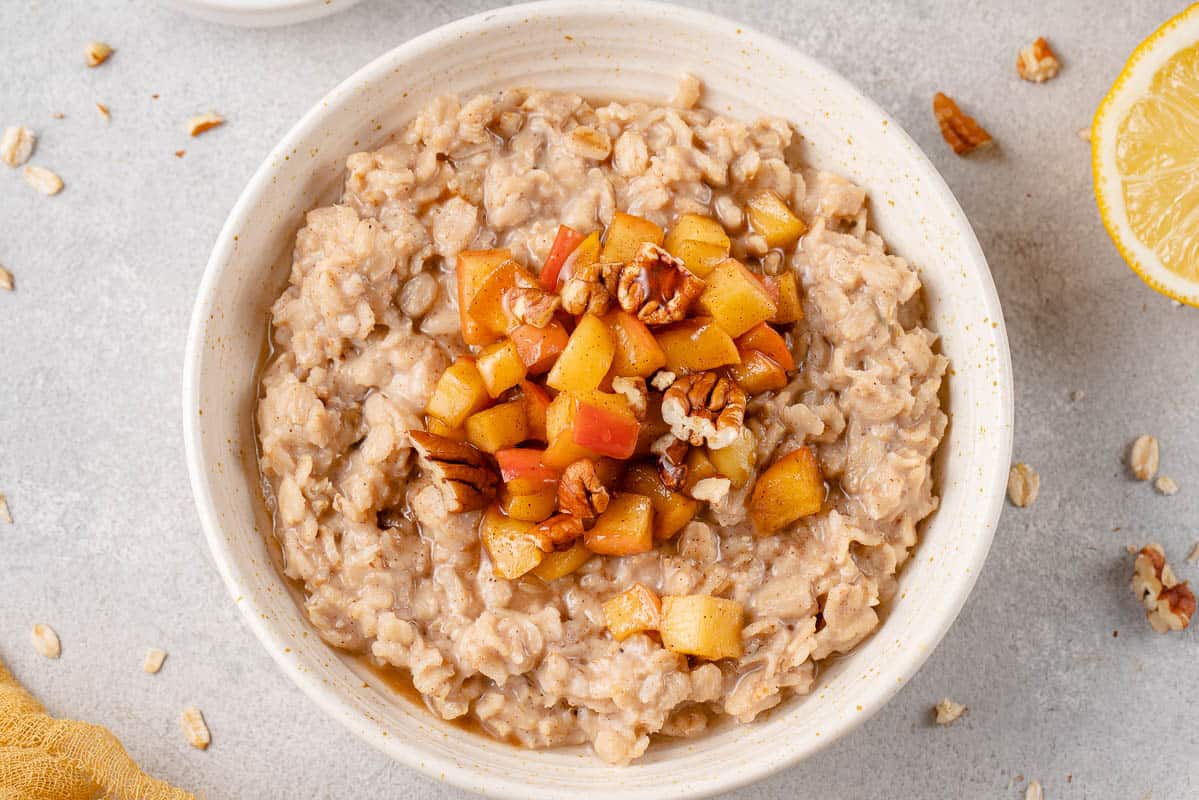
581,493
672,463
532,306
704,407
1169,605
635,391
959,130
655,285
558,532
584,291
1037,62
461,471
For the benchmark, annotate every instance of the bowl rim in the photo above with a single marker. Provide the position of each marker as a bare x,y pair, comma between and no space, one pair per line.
874,696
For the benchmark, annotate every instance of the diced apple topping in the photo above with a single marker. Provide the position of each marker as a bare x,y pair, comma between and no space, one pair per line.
703,626
634,610
551,410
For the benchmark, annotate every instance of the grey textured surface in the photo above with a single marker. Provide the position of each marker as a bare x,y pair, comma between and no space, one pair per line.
107,547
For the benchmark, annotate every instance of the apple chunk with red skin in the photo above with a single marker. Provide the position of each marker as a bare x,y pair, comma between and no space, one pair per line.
606,432
524,471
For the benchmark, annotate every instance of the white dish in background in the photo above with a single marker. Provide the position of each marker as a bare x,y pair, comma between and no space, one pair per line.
260,13
623,48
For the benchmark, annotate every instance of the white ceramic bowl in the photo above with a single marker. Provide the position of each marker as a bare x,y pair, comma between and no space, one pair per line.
260,13
615,49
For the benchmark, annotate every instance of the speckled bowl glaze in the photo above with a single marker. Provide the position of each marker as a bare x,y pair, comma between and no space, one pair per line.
260,13
611,49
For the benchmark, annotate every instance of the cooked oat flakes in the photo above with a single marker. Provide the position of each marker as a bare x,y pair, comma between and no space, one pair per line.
195,730
1023,485
948,711
16,145
43,180
1143,457
45,641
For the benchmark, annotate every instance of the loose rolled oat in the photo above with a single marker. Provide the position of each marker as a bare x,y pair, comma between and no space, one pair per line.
16,145
42,179
194,728
5,514
96,53
103,109
1023,485
6,280
153,660
1165,485
45,641
948,711
204,122
1193,556
1034,791
1084,134
1143,458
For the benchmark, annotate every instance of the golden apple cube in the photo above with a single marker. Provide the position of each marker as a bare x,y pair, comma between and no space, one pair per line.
626,527
702,625
460,392
625,236
510,544
735,298
562,562
791,488
634,610
696,345
699,241
437,427
530,507
736,462
790,308
672,510
586,359
501,367
505,425
771,217
637,353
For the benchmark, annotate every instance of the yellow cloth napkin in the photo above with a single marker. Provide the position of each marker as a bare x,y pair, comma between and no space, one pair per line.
43,758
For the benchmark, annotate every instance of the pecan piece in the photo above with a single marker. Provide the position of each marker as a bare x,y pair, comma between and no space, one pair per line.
581,493
1169,605
635,391
672,462
532,306
655,285
584,291
558,532
1037,62
958,129
704,407
461,471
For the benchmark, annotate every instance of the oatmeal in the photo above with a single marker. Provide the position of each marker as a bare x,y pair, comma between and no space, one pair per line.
602,421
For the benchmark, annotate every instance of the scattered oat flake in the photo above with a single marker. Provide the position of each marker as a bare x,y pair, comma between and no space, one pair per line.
16,145
1084,134
180,153
6,281
1037,62
1193,556
45,641
1143,457
1023,485
96,53
1165,485
1077,395
960,131
153,660
6,515
948,711
103,109
1034,791
204,122
58,115
42,179
194,728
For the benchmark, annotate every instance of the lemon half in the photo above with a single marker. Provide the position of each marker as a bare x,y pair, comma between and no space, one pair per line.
1145,159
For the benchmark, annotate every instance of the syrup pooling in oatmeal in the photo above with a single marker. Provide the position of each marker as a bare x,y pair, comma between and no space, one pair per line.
602,421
